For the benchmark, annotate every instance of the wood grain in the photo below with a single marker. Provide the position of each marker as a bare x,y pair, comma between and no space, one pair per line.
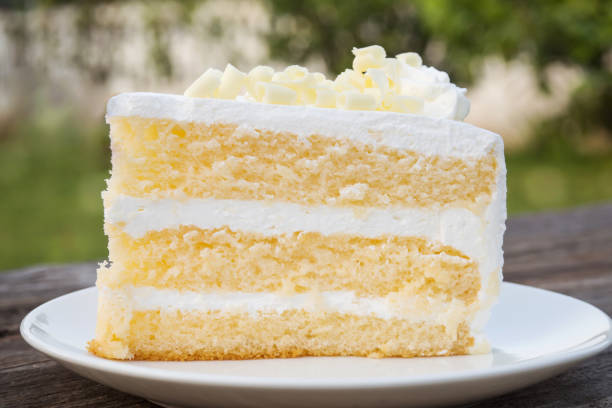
568,252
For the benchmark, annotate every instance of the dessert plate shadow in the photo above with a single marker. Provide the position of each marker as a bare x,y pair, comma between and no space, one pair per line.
534,333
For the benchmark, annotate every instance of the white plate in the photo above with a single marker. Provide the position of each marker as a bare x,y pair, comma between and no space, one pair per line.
535,334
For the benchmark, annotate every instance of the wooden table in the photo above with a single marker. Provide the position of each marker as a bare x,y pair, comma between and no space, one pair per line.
569,252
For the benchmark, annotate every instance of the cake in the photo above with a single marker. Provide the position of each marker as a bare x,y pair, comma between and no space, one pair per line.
282,214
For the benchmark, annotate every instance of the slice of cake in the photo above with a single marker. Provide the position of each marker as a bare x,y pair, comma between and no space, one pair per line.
281,214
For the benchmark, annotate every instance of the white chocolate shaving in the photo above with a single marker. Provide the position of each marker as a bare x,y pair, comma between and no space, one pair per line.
375,51
353,100
401,84
278,94
296,71
410,58
232,82
379,78
325,97
260,73
350,80
206,85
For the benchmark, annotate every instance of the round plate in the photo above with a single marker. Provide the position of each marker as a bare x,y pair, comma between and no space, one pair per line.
534,333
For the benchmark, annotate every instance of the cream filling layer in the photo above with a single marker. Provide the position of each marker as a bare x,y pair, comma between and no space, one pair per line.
344,302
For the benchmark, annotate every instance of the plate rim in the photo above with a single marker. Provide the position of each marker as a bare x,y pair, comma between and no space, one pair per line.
73,356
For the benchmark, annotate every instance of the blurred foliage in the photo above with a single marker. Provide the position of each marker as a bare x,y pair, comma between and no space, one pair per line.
458,35
51,174
575,32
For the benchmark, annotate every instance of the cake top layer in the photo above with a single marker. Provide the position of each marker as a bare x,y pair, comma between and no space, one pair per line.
401,84
402,131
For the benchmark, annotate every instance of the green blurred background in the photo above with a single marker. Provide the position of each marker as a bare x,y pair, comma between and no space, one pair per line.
539,73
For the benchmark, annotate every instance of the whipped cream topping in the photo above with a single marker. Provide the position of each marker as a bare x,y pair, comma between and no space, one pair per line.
401,84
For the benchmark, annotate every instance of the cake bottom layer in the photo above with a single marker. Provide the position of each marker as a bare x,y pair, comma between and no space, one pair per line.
216,335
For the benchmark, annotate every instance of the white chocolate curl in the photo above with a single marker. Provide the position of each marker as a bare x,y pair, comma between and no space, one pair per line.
206,85
278,94
232,82
401,84
260,73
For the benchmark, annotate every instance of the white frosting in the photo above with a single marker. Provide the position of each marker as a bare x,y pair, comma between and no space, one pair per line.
442,98
345,302
418,133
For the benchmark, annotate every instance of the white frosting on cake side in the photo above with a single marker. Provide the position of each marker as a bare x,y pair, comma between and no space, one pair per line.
417,133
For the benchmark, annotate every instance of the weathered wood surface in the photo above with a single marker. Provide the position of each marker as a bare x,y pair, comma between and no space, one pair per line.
568,252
